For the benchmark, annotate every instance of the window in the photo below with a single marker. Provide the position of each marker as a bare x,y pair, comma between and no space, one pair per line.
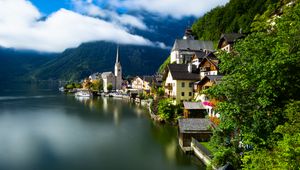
191,85
182,94
182,84
190,93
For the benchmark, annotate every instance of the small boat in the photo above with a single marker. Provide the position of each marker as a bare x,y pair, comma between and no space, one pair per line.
62,89
83,94
117,95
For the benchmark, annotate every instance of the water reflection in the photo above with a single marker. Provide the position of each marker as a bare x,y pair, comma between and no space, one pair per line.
63,132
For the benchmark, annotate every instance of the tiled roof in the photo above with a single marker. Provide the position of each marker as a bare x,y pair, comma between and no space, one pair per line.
193,105
214,78
180,72
193,45
194,125
230,38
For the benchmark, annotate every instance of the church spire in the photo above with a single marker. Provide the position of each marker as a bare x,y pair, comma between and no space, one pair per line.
117,57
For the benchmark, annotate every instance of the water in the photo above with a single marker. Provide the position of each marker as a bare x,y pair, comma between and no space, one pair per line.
41,129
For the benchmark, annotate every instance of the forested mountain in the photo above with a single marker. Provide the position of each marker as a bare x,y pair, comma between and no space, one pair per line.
77,63
15,64
235,16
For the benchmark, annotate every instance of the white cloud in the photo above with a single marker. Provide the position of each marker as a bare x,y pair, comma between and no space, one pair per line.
21,29
89,8
174,8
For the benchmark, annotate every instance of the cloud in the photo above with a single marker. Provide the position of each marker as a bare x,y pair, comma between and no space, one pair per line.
89,8
174,8
21,27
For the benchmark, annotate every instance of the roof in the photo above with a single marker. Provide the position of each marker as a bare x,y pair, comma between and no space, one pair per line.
148,78
106,74
212,59
193,45
194,125
193,105
200,54
214,78
180,72
230,38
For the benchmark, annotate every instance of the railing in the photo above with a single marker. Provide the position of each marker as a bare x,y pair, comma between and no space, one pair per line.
202,148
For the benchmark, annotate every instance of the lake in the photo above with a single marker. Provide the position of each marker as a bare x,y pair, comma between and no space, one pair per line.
42,129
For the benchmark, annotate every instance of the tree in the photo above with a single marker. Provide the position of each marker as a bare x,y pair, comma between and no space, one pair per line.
262,76
97,85
109,87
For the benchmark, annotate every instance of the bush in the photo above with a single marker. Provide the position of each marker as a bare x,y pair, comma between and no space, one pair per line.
167,111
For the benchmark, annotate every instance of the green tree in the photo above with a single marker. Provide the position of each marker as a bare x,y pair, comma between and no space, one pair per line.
262,76
109,87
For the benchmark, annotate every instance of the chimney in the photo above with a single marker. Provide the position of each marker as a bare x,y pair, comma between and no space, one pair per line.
190,67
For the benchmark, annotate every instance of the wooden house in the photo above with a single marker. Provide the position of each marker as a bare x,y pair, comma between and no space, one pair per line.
207,82
227,40
209,65
199,129
194,110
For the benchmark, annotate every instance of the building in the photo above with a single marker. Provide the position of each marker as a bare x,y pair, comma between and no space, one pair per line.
180,80
137,83
95,77
209,65
184,49
194,110
199,129
115,79
227,40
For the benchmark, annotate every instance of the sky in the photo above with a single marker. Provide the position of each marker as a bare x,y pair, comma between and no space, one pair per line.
54,25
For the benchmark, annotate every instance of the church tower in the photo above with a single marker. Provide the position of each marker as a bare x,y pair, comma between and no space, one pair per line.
118,71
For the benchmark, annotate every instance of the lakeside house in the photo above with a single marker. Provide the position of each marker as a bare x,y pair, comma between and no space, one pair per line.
179,82
197,128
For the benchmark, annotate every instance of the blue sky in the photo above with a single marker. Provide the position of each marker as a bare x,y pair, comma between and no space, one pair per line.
54,25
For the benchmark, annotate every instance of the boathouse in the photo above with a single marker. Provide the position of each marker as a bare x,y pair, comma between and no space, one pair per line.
197,128
194,110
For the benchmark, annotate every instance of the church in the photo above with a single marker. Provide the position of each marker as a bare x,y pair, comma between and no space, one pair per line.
114,79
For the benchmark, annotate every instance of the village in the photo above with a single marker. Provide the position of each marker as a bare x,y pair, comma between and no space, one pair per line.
191,69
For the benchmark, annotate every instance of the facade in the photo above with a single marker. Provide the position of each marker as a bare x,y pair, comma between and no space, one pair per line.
137,83
108,78
184,49
179,82
227,40
209,65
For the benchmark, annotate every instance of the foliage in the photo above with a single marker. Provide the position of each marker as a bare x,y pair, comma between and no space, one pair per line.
164,65
160,91
72,85
97,85
235,15
167,110
262,77
109,87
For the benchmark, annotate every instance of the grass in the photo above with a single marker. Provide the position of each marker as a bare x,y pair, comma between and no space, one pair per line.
207,146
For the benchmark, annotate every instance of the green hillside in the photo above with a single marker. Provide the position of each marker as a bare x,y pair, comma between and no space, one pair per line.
77,63
234,16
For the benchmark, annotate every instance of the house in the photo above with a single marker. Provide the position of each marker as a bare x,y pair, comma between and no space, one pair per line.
197,128
209,65
194,110
227,40
115,79
137,83
198,57
147,83
207,82
180,80
184,49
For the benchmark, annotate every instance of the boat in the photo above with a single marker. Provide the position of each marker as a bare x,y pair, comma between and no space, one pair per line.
117,95
83,93
62,89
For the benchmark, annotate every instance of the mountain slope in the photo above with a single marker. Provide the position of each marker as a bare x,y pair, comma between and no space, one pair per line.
77,63
14,64
234,16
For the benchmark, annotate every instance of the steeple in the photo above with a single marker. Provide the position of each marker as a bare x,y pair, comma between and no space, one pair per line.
117,57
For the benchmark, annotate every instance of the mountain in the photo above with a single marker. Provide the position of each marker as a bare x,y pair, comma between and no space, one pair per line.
14,64
77,63
234,16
